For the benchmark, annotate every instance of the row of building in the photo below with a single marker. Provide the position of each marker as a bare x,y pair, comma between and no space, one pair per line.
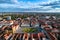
50,24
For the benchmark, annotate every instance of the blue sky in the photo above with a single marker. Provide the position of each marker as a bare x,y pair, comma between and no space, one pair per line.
29,5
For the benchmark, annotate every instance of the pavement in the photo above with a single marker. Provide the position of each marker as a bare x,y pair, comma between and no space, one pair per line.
19,30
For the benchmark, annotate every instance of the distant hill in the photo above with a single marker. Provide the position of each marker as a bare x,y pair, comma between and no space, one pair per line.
2,13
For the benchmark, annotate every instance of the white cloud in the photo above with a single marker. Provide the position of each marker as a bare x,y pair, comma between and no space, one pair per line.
22,4
15,1
30,5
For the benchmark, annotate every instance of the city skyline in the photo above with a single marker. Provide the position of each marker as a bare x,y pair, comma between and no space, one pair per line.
29,5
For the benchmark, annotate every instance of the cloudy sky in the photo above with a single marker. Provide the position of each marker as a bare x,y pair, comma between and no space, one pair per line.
29,5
